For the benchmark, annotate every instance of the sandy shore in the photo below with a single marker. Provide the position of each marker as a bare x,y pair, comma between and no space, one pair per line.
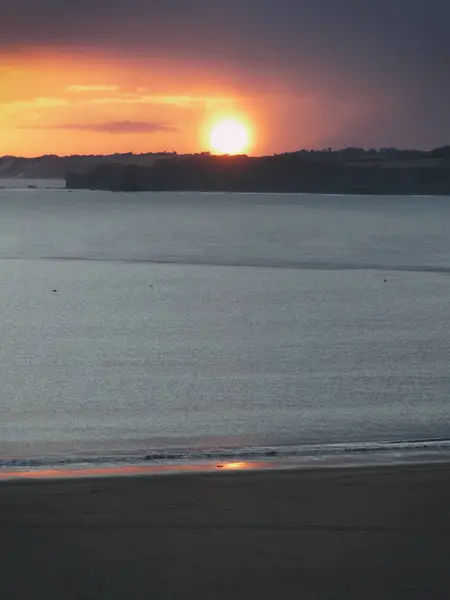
376,533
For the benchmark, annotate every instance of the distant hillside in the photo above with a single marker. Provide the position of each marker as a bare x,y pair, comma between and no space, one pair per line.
56,167
352,171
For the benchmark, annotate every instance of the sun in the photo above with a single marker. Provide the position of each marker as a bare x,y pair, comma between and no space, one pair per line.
229,136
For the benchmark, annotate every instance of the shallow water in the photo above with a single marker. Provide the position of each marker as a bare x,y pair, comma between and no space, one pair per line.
204,321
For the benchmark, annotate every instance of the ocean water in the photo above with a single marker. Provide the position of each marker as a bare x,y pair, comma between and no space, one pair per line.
139,327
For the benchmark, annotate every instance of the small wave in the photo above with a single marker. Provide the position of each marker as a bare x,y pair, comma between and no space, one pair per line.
308,452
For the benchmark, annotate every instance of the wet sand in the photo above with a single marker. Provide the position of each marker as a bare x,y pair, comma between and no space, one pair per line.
332,534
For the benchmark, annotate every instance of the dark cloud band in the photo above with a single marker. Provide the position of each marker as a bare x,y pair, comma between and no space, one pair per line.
119,127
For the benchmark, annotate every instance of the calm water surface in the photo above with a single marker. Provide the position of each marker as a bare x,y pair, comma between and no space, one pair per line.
217,320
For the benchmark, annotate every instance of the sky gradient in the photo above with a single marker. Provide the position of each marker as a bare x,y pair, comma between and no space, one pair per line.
101,76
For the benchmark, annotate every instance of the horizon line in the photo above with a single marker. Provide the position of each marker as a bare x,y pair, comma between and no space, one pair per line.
206,152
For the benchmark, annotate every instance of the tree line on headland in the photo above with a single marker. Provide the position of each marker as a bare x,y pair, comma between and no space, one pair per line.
51,166
350,171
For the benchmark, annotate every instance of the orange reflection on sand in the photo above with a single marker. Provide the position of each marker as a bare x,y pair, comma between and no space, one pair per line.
64,473
234,465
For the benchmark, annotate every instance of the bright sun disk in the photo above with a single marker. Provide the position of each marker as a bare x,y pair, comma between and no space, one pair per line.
228,137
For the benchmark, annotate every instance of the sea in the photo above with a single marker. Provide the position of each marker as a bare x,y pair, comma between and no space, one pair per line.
172,328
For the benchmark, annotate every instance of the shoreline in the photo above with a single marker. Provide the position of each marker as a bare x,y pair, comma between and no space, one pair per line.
347,533
31,183
236,464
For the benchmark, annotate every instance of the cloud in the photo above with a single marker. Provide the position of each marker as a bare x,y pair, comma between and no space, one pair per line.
389,58
119,98
92,88
179,101
35,103
114,127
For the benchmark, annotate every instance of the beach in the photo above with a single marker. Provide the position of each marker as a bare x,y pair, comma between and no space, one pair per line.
350,533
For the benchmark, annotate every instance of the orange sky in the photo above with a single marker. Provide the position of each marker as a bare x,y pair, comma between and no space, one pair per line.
89,103
63,105
99,76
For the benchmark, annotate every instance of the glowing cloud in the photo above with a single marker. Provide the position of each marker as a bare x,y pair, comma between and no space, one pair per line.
118,127
92,88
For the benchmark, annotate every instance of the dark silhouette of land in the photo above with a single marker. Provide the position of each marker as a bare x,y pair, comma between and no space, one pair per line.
51,166
349,171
